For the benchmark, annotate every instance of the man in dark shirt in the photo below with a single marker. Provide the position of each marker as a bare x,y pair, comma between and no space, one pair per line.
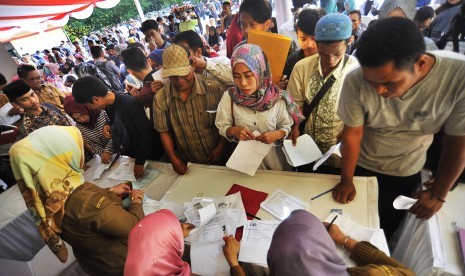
138,66
112,55
125,109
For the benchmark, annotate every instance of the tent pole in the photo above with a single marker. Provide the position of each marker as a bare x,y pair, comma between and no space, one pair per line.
139,10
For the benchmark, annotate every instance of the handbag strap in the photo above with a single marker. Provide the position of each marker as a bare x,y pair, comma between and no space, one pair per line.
232,113
308,108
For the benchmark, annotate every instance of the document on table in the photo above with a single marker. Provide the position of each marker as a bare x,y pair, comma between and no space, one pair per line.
256,240
280,204
201,211
6,119
336,149
305,151
229,214
403,202
150,173
101,167
125,171
209,260
359,233
248,156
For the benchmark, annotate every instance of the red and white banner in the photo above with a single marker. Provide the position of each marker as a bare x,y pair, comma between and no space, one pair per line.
21,17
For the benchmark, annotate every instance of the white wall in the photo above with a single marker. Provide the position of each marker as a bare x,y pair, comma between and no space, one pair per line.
41,41
7,65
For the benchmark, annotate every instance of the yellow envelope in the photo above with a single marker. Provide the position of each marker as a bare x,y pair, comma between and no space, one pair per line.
275,47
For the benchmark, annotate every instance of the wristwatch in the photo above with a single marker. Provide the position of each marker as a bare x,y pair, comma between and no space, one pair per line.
137,197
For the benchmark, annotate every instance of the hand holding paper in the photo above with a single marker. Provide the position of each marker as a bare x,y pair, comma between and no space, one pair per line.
248,156
336,149
306,151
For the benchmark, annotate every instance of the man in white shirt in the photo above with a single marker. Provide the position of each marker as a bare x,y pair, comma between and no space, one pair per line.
287,28
391,107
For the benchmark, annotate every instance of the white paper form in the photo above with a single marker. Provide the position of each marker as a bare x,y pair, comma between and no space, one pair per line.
125,171
157,76
305,151
6,119
336,149
359,233
209,260
100,167
280,204
403,202
212,231
256,240
248,156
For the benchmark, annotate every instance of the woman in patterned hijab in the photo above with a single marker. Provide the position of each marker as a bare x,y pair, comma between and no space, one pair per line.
267,94
256,104
47,165
46,173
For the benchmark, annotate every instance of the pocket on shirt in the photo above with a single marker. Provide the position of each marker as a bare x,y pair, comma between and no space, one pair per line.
208,119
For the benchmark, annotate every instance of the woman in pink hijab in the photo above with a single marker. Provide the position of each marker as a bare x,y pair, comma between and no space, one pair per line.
156,246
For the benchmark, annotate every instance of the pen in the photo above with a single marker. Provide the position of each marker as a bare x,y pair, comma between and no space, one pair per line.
323,193
114,160
331,223
249,214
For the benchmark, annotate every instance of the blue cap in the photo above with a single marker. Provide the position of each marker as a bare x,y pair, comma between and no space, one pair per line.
333,27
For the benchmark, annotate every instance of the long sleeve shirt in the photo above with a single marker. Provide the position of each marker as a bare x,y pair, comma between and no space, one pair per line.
94,138
141,133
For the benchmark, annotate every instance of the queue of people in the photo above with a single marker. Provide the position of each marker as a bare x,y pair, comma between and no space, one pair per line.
377,89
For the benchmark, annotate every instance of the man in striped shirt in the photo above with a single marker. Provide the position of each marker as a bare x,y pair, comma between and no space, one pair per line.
184,112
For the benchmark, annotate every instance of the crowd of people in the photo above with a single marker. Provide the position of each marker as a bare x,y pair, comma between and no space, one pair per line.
381,90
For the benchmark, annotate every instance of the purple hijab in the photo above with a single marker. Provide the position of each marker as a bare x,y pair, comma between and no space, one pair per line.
301,246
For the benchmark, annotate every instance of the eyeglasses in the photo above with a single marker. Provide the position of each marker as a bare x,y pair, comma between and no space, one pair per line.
34,79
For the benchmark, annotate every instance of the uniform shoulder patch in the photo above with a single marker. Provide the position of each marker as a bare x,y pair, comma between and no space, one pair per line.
100,201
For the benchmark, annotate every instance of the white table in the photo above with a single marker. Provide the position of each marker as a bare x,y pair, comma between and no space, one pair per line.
431,247
204,180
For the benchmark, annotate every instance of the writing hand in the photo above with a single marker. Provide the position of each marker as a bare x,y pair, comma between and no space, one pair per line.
138,171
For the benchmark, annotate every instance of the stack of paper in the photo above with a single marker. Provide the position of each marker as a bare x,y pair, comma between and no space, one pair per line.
304,152
359,233
215,218
248,155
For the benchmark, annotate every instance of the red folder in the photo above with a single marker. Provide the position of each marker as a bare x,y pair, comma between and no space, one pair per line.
251,200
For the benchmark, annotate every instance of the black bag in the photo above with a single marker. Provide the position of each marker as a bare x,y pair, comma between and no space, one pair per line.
119,134
89,69
112,78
